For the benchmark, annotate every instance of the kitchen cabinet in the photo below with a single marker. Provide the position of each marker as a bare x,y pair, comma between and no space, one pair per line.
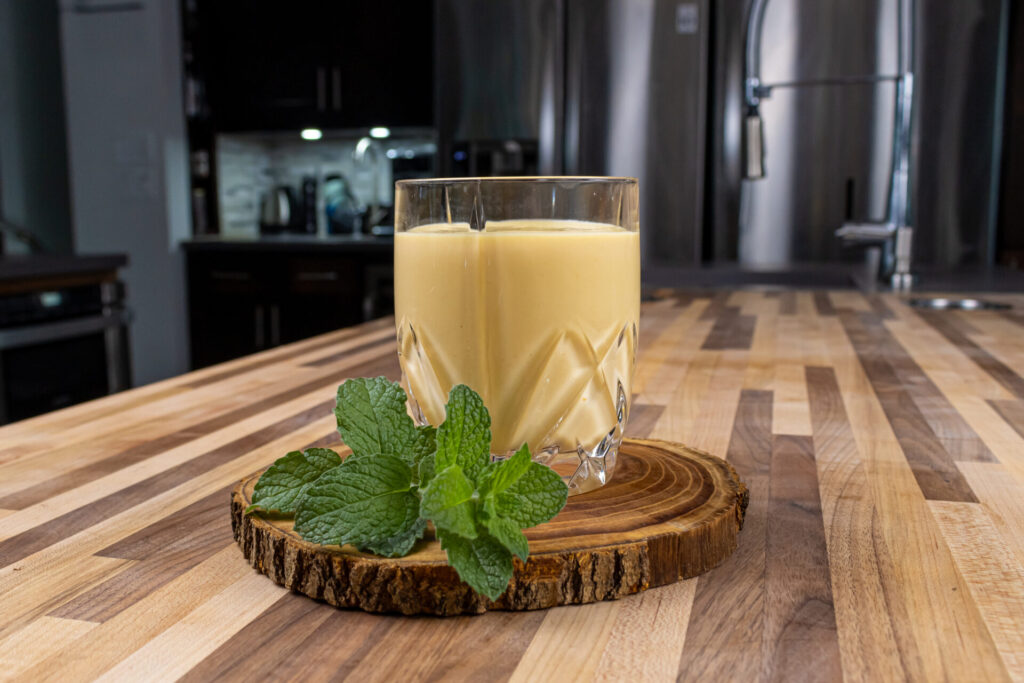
247,297
322,293
276,66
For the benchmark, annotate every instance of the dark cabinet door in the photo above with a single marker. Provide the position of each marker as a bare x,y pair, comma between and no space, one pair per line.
323,294
268,65
318,63
226,327
386,66
244,302
229,307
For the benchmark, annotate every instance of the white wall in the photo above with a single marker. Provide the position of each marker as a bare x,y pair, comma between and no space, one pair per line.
128,162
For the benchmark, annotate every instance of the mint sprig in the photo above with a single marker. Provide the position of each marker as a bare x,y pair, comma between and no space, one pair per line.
400,476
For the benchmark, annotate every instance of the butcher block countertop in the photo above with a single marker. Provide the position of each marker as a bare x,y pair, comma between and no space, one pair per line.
884,540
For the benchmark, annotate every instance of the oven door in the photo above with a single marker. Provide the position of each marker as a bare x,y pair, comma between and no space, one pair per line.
48,366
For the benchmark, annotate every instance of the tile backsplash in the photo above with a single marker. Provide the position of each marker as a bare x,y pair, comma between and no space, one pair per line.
248,167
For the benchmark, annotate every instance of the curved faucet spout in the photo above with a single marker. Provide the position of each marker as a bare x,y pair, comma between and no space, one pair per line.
368,151
895,232
752,61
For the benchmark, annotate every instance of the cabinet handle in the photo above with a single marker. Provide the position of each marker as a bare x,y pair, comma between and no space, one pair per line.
322,276
259,327
336,87
321,88
275,325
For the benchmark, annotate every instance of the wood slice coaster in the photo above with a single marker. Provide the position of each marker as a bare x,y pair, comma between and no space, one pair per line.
669,513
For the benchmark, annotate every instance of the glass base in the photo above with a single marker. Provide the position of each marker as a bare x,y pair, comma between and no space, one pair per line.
579,443
583,469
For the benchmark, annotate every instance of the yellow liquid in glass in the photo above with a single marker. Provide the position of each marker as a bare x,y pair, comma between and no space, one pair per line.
537,316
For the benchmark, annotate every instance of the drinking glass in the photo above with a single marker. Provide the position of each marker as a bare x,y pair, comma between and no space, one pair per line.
528,291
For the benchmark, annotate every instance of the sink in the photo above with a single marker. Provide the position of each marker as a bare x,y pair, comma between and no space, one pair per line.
940,303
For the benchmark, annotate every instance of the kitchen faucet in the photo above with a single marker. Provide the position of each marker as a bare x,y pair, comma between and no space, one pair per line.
894,234
367,151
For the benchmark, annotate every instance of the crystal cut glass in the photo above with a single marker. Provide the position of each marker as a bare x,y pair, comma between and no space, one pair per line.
528,291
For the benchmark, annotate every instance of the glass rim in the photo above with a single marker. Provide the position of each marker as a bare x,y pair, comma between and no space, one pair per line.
623,180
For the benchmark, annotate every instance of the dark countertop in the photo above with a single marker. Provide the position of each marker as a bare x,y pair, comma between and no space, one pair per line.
733,275
832,276
712,276
291,243
31,266
965,279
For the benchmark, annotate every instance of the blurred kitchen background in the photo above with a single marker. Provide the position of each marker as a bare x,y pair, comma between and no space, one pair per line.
184,182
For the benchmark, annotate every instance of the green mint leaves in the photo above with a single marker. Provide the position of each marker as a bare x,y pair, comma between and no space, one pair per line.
483,563
366,501
287,480
400,475
474,502
372,420
449,502
464,439
531,499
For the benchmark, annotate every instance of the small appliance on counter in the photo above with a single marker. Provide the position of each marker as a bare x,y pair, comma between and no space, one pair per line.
270,184
308,225
279,211
344,212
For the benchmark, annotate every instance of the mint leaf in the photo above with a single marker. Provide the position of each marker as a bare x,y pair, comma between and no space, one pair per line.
507,533
366,501
464,439
283,484
372,420
502,492
426,470
422,451
483,563
422,444
498,476
448,502
400,544
535,497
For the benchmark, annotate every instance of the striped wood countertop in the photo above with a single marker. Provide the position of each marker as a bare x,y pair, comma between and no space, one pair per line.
884,450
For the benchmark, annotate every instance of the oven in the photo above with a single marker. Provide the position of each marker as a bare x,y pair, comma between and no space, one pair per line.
60,346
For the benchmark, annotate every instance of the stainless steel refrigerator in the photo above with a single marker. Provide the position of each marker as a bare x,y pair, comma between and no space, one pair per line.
583,87
654,89
828,145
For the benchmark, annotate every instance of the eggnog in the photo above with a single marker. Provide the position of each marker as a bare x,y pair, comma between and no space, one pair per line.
537,316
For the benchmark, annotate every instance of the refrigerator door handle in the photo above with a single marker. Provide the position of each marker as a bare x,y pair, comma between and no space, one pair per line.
551,117
321,88
336,88
258,329
275,325
575,16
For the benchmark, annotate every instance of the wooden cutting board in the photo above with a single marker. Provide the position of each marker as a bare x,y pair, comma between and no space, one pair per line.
670,513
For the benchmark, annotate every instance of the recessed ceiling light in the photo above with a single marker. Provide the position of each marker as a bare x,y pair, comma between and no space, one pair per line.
311,133
379,132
